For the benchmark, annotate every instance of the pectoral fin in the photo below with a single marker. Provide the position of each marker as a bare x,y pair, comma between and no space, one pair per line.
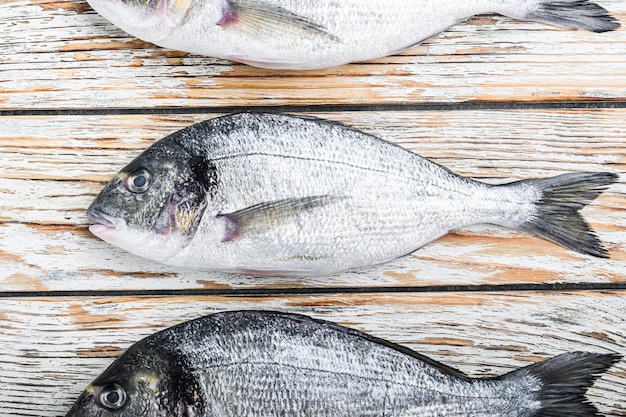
266,216
259,18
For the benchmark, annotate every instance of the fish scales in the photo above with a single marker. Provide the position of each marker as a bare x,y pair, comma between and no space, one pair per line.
334,159
280,194
297,34
282,144
255,363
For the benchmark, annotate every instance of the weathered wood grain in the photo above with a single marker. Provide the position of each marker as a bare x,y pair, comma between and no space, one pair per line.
52,167
60,54
52,348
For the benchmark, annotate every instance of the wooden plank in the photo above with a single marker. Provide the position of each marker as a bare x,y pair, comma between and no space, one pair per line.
52,348
60,54
52,167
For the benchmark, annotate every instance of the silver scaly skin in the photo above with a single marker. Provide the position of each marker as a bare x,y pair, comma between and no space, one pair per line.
307,34
279,194
268,364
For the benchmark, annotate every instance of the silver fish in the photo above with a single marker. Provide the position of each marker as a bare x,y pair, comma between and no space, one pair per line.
273,193
308,34
268,364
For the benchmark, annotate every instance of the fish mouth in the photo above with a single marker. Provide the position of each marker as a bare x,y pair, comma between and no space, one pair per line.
102,219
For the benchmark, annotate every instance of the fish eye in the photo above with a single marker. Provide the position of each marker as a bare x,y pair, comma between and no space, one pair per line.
139,181
112,397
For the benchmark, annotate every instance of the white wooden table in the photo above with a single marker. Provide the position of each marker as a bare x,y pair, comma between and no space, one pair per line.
491,98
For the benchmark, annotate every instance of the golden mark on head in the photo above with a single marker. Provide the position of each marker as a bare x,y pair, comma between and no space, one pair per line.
184,221
90,389
152,380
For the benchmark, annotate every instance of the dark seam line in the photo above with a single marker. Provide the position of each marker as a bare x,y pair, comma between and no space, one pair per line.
264,292
469,181
565,105
349,165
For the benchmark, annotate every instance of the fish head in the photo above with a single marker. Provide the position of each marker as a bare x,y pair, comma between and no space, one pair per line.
139,383
154,205
150,20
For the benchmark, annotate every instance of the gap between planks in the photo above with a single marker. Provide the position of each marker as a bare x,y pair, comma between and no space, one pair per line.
333,108
321,291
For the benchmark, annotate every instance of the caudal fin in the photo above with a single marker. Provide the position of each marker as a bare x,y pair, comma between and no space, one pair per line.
564,380
557,216
574,14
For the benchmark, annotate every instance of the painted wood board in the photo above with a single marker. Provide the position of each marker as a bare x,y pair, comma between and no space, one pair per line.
53,347
51,168
60,54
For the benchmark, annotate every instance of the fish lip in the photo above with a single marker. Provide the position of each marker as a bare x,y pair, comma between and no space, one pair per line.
99,217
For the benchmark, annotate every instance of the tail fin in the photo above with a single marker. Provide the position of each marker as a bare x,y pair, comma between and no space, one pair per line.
564,381
557,216
574,14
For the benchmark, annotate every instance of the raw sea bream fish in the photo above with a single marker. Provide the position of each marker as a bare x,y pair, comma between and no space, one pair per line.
280,194
269,364
308,34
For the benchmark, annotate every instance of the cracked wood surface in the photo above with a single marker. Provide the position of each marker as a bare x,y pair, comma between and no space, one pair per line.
497,76
60,54
52,348
54,166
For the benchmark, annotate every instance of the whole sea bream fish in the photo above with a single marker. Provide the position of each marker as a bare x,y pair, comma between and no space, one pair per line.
268,364
306,34
280,194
